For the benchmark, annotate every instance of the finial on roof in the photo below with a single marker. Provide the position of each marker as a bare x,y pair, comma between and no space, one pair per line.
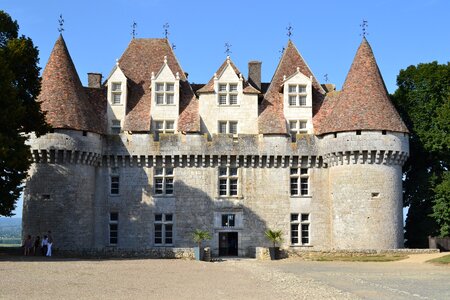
177,76
289,30
133,29
240,76
228,49
153,75
281,51
215,76
61,24
228,59
284,77
174,46
298,69
166,30
165,59
364,24
325,77
117,61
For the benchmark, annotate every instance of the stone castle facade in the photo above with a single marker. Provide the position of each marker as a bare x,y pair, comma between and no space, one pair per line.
141,160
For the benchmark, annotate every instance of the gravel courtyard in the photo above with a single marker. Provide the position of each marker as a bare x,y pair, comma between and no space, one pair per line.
58,278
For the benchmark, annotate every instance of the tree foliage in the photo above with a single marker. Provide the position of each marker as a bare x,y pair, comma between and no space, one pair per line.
423,100
20,113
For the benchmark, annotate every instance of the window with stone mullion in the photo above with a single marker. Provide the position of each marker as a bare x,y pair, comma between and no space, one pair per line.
228,181
163,181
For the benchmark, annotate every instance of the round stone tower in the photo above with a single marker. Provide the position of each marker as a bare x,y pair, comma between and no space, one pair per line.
364,143
60,188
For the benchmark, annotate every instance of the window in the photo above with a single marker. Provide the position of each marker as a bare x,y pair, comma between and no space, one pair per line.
296,127
115,185
116,92
228,181
299,182
300,229
164,126
297,95
228,94
165,93
230,127
163,181
113,228
228,220
163,229
115,127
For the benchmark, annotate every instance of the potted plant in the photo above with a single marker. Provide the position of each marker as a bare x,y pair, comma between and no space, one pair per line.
276,237
199,236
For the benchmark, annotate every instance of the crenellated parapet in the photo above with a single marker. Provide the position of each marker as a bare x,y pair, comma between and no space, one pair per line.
366,147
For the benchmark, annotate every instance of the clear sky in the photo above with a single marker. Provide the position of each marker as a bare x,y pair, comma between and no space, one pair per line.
327,33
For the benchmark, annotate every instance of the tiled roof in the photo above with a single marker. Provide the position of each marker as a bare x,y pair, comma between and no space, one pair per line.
363,103
140,59
271,115
63,97
209,87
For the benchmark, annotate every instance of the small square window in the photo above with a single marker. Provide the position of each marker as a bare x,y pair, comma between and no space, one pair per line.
222,99
116,86
159,125
170,125
159,98
158,217
294,217
160,87
168,217
116,98
292,88
222,87
293,100
114,216
233,87
305,217
302,89
233,99
302,124
233,127
170,87
302,100
170,98
222,127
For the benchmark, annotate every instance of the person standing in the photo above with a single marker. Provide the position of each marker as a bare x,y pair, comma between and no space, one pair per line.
27,245
44,245
37,245
50,243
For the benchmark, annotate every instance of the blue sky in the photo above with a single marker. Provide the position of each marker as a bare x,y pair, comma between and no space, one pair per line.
327,33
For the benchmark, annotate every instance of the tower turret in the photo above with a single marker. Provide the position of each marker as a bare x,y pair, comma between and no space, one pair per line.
365,144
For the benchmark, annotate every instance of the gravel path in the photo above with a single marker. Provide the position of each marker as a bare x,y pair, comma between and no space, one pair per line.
62,278
153,279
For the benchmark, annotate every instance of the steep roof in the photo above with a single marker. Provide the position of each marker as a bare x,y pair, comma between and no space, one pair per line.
363,103
140,59
63,97
271,115
209,87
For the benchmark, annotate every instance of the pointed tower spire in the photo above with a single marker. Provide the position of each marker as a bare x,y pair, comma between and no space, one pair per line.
363,103
62,95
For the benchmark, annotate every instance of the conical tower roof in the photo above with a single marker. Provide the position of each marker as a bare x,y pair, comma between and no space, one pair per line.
62,96
363,103
271,118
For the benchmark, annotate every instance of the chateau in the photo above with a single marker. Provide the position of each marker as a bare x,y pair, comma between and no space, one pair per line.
139,160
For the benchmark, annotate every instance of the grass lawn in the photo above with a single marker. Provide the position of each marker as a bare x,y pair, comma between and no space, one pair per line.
9,245
364,258
441,260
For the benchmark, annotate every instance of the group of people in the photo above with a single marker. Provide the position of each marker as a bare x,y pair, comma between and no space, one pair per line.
44,245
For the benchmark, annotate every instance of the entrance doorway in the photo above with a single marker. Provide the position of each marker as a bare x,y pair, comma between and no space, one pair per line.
228,244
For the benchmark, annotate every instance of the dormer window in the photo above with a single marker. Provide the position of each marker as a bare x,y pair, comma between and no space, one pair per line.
228,93
115,127
297,127
297,95
230,127
116,92
165,93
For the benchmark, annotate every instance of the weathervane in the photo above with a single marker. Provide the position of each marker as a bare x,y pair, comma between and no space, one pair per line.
133,29
228,48
166,30
325,77
61,24
364,26
289,30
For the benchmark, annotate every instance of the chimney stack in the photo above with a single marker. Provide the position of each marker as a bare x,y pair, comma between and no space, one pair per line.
254,73
94,80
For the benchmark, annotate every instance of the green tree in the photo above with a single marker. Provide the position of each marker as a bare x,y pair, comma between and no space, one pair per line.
20,113
423,100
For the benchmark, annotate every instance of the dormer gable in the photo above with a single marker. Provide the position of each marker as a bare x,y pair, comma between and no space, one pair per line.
228,85
116,84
